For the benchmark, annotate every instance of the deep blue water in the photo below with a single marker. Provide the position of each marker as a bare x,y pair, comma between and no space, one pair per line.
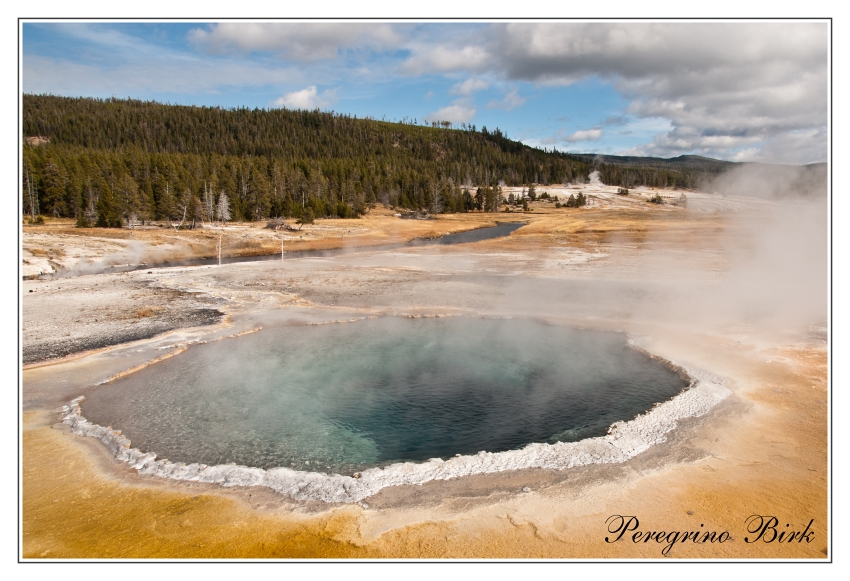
343,397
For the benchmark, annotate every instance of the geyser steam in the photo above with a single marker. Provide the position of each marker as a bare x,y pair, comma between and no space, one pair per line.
346,397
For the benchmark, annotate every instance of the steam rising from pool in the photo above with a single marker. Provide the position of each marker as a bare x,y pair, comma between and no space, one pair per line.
343,398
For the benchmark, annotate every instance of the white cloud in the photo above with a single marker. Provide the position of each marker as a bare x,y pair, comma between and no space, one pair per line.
307,41
584,135
468,87
562,138
748,154
308,98
444,58
457,112
668,51
792,147
724,86
511,101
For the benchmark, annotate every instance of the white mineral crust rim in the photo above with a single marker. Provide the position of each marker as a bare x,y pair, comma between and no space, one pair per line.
624,440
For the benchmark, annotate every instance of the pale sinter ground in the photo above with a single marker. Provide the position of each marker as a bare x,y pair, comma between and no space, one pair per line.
620,263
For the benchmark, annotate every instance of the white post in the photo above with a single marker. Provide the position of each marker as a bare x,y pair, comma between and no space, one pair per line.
281,248
220,234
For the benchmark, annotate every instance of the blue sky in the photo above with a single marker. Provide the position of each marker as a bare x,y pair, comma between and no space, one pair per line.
738,91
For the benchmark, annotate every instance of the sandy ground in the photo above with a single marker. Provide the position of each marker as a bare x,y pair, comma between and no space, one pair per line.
619,264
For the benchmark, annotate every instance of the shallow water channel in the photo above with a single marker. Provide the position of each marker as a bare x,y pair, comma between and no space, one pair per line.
342,397
476,235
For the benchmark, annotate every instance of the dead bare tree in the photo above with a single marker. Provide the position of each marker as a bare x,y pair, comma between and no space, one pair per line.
28,176
209,202
184,205
223,208
90,212
437,200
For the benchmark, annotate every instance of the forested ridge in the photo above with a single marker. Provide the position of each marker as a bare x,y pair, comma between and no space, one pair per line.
116,160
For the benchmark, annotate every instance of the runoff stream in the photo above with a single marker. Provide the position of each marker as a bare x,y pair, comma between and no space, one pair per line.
476,235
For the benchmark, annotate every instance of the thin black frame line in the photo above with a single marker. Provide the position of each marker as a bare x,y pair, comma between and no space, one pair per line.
426,20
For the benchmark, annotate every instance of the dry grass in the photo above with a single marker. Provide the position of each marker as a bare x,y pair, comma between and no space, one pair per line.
379,226
546,225
147,312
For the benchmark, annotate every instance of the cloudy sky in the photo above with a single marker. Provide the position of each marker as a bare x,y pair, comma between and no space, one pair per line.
742,91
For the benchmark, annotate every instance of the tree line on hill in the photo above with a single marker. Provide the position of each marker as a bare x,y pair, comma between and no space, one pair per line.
110,162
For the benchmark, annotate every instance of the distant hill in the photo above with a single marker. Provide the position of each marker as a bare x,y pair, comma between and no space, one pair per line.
696,171
116,159
683,161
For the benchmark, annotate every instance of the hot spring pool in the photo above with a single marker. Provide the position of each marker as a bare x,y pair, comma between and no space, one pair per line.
339,398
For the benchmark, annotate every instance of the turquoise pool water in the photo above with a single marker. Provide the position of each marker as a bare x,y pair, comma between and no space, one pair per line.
338,398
